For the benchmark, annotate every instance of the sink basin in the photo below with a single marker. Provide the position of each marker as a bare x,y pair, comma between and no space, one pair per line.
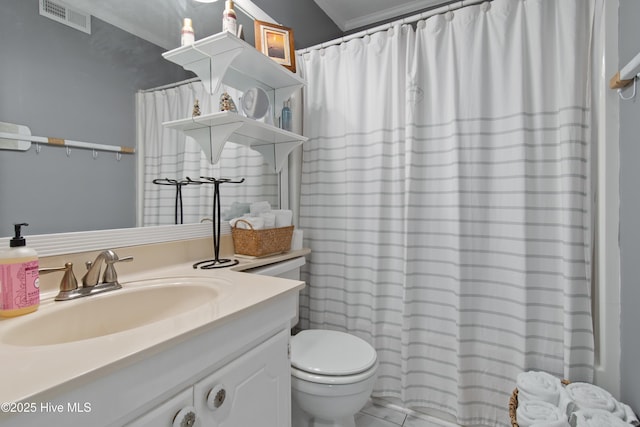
116,311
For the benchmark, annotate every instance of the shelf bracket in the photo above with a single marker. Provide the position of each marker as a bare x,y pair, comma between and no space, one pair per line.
213,71
212,140
276,154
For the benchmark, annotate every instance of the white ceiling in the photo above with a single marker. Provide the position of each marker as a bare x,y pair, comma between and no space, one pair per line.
156,20
351,14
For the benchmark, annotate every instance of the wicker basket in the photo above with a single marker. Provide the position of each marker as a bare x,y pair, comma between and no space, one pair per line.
513,405
259,243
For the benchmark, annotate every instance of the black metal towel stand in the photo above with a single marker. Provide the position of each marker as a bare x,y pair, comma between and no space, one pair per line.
178,204
216,262
210,263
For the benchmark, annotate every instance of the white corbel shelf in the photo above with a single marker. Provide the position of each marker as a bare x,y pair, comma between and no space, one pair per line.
213,130
224,58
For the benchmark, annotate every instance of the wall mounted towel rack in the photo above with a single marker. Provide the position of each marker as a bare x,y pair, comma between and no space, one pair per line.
18,138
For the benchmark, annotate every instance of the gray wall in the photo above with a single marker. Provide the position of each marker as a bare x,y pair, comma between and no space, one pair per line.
629,14
64,83
309,23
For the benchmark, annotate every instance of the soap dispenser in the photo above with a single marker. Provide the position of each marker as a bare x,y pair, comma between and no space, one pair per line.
19,277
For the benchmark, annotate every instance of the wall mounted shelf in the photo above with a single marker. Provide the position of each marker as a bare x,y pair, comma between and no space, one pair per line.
225,59
212,131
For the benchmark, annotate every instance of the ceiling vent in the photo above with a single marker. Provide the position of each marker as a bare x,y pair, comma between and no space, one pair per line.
60,12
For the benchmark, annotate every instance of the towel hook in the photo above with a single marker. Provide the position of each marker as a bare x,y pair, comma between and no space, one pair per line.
633,95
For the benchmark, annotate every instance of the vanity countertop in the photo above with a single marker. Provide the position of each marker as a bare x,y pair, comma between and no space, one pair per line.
27,371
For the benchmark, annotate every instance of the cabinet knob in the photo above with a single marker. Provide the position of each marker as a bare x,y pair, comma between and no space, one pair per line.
186,417
216,397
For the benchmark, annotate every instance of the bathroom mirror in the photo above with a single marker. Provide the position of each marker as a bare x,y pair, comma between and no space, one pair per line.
255,103
62,81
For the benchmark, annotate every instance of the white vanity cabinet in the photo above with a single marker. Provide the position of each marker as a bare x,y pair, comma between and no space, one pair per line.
176,411
253,390
244,353
225,59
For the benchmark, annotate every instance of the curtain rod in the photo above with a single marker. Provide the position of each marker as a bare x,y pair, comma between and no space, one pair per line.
455,5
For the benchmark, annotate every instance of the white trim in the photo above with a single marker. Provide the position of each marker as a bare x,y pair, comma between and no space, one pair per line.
391,12
607,275
418,17
139,99
386,14
249,8
83,241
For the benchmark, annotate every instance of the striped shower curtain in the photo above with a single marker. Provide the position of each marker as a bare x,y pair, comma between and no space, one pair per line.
446,199
168,154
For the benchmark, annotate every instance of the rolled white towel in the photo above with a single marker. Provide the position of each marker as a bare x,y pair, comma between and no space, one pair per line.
256,222
595,418
538,413
269,219
284,217
630,416
538,385
588,396
257,208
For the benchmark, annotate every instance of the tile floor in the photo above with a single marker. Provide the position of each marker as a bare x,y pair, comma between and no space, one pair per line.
373,415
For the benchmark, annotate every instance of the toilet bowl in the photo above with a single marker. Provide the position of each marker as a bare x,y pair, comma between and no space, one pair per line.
332,376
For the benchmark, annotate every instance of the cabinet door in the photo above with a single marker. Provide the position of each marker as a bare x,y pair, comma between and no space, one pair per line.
253,390
175,412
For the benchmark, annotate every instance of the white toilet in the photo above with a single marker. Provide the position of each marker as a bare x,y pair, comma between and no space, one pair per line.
332,376
332,373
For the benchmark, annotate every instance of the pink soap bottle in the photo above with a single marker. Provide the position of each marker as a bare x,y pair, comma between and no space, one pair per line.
19,277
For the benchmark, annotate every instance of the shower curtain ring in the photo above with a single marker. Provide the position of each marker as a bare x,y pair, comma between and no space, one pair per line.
38,148
94,154
68,151
118,156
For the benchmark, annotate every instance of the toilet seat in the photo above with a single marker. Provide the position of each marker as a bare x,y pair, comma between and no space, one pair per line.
331,357
334,379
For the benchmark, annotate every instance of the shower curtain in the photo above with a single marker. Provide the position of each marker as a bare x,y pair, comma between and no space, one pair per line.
445,197
168,154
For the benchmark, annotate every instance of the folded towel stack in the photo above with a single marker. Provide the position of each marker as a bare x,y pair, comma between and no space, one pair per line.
261,216
237,209
544,401
256,223
538,413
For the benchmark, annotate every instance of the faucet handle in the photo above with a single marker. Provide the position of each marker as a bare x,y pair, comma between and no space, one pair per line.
68,282
110,275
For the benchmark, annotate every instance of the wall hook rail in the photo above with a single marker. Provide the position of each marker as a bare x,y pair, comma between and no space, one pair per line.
19,138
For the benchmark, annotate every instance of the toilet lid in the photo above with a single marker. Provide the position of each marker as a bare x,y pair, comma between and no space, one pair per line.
326,352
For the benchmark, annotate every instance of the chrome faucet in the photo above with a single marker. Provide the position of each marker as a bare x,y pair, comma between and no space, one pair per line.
109,278
69,286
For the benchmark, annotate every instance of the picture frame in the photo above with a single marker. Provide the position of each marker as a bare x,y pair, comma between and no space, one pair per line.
276,42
